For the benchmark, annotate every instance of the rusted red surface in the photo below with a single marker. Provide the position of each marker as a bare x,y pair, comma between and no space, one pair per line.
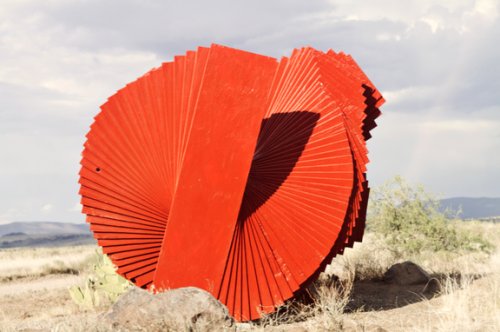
232,172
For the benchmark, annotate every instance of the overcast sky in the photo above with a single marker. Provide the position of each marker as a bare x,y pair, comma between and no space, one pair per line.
435,62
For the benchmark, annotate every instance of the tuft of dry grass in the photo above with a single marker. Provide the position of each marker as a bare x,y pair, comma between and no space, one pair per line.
469,301
328,312
330,296
18,263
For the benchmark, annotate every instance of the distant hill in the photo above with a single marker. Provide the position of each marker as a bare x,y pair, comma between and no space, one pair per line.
15,234
473,208
43,227
47,240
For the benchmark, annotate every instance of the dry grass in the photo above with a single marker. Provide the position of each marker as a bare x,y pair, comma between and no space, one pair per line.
35,262
469,301
328,313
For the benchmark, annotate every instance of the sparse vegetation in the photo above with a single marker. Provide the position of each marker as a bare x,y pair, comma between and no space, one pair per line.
470,300
403,224
18,263
407,220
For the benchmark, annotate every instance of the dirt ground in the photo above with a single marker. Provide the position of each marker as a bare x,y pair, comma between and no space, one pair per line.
39,304
39,298
24,302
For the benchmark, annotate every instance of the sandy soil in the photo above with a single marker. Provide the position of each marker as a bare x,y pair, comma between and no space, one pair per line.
30,305
44,304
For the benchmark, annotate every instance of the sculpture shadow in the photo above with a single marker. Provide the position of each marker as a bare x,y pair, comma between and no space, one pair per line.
282,139
375,295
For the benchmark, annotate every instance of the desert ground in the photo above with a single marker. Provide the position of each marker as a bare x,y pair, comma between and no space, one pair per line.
34,292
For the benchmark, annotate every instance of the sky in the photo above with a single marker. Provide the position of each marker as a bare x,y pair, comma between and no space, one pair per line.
437,63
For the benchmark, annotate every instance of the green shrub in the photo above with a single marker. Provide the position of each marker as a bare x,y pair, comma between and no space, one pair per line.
407,220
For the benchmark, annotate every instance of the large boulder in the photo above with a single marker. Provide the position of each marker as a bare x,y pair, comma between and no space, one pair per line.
181,308
406,273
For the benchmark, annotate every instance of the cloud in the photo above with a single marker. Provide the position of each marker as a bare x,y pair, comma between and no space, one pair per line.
26,193
434,149
9,216
47,208
461,126
76,208
434,61
484,13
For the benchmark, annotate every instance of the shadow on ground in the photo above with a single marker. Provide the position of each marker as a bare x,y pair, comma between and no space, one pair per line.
371,295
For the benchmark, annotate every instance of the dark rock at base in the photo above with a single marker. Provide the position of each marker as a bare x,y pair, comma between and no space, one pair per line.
177,308
432,287
406,273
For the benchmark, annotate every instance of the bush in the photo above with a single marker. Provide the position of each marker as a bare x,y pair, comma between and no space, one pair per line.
407,220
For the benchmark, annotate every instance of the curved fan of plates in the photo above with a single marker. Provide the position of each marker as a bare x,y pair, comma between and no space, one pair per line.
232,172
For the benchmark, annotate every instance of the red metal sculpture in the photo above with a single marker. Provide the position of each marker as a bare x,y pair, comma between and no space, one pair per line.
231,172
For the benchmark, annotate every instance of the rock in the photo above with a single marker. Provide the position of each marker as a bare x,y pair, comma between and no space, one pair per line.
406,273
432,287
177,308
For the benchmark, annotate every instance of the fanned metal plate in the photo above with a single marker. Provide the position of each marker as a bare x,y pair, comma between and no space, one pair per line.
232,172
